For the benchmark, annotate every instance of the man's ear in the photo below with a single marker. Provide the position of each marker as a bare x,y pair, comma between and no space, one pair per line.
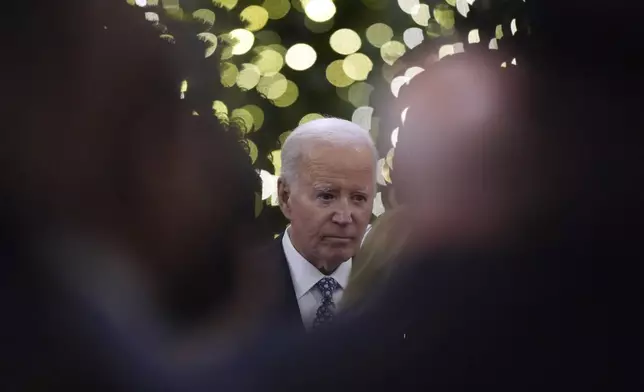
284,197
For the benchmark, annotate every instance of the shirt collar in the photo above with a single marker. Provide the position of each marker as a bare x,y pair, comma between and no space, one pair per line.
304,274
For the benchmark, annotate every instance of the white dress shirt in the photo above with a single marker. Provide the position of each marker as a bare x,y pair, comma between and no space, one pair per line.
304,276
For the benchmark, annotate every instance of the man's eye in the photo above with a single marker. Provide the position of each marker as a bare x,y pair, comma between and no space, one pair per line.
360,198
325,196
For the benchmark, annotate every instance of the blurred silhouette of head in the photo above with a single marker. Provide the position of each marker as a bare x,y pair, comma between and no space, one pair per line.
464,161
95,138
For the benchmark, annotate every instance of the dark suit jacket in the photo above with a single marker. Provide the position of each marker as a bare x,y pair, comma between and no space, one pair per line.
288,311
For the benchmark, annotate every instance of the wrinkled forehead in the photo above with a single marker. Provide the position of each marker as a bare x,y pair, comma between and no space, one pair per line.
325,158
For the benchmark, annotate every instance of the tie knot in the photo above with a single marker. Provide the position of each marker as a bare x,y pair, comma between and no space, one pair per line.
327,287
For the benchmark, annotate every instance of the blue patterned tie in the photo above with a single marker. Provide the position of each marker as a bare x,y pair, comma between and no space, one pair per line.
324,315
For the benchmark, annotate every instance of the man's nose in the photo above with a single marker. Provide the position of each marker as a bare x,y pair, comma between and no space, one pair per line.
342,215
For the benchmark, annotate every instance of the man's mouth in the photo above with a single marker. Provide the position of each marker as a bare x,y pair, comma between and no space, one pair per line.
338,238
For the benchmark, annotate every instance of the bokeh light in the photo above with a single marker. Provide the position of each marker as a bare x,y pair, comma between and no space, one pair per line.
359,94
345,41
282,138
220,110
389,159
183,89
421,14
411,72
227,4
269,184
394,137
513,26
273,86
277,9
413,37
211,42
378,206
362,117
380,179
463,7
243,41
445,50
253,152
300,57
310,117
498,32
243,119
289,97
229,72
444,15
357,66
319,10
152,17
258,116
397,83
276,159
336,76
378,34
386,174
248,77
473,36
205,16
407,6
255,17
403,115
392,51
268,61
278,48
169,38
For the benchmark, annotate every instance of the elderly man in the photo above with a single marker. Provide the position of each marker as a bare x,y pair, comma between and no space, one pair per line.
326,191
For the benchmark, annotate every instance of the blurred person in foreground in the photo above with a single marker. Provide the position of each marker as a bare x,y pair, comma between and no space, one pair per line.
326,191
119,230
386,242
536,287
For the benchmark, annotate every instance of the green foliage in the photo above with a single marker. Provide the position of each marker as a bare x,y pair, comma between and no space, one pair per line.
244,66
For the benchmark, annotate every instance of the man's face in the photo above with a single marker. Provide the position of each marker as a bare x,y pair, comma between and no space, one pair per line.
330,204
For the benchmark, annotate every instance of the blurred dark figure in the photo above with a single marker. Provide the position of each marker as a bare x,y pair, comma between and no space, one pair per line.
123,215
375,262
528,278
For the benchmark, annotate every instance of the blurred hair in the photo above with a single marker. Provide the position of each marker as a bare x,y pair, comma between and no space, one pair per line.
383,246
95,134
84,103
96,141
329,130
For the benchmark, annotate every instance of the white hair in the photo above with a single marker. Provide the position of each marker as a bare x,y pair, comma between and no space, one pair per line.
329,130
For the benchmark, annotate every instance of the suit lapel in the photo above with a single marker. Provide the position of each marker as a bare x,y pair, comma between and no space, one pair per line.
290,308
